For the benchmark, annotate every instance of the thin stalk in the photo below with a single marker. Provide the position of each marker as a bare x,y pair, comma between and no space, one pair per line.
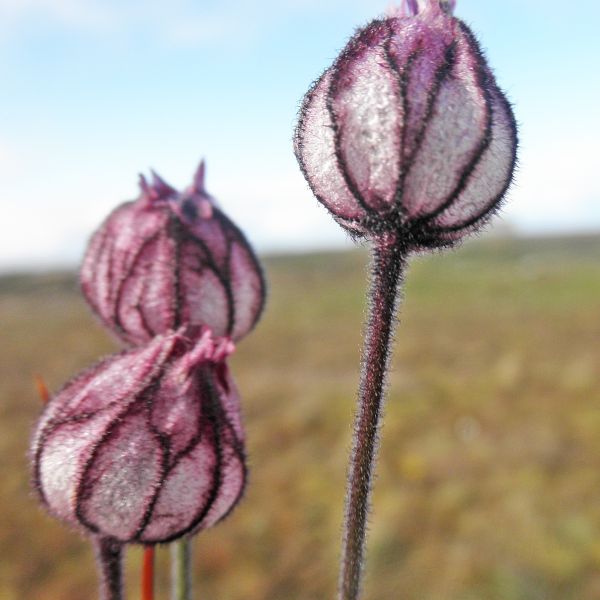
109,557
387,267
148,574
181,572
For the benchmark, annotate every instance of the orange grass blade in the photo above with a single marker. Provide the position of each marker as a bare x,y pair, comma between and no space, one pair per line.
42,389
148,574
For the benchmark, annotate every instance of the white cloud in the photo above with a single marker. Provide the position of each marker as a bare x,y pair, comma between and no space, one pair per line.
4,156
229,22
279,215
9,160
72,13
233,22
180,22
557,186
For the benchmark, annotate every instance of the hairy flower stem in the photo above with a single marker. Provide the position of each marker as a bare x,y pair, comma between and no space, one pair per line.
148,574
387,266
109,557
181,573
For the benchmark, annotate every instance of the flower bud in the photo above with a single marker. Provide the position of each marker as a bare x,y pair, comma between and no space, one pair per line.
169,259
147,445
407,132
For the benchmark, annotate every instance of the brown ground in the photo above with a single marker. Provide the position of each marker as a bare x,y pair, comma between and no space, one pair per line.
489,479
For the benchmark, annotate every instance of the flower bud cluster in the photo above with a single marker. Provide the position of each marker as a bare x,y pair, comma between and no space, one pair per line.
147,445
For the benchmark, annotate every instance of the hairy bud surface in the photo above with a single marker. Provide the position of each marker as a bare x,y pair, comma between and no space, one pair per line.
147,445
169,259
408,132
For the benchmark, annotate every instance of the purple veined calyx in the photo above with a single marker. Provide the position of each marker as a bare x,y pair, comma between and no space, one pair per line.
407,133
409,142
171,258
147,445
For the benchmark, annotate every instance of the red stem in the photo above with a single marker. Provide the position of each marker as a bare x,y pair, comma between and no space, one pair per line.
148,574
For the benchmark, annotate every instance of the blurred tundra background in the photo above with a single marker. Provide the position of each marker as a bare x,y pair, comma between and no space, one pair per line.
489,480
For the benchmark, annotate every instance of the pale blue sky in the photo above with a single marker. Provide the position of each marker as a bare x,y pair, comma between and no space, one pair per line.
95,91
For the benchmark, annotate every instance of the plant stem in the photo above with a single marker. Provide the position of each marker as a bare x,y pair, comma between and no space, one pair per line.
109,557
387,267
148,574
181,573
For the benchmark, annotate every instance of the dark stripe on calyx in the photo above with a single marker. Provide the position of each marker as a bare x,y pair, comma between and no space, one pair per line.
483,80
116,309
495,201
403,78
210,394
332,92
442,73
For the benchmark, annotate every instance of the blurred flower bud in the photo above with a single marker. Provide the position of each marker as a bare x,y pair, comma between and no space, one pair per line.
169,259
147,445
407,132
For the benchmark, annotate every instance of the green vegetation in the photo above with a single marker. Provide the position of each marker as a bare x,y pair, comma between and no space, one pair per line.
489,481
